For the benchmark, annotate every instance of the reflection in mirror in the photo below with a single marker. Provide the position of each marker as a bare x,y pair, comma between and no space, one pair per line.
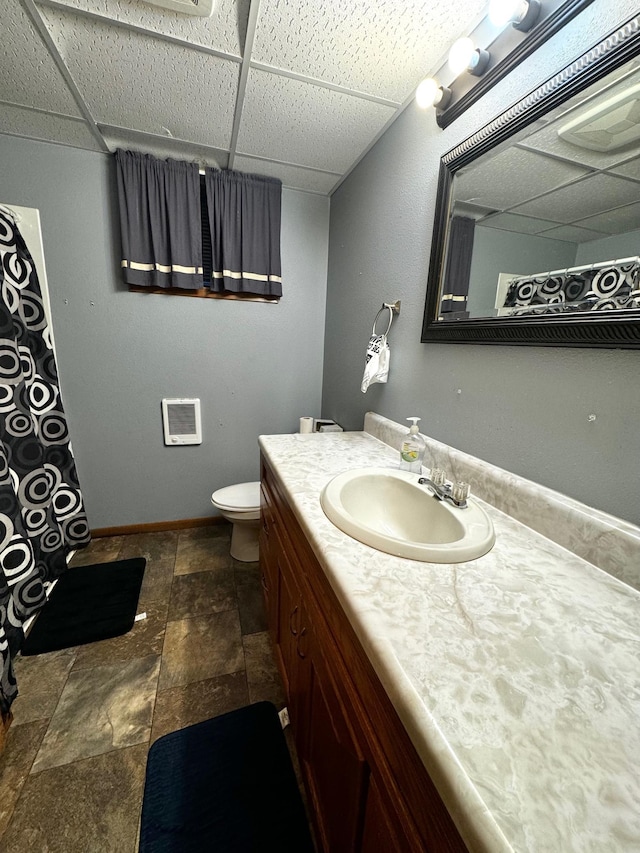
550,221
537,235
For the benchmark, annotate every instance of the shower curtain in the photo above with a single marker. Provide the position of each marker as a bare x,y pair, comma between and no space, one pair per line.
42,514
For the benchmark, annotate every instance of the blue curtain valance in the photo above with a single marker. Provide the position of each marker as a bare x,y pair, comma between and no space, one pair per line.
244,215
159,221
164,208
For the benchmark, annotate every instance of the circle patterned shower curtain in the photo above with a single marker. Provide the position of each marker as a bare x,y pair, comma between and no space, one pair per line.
42,515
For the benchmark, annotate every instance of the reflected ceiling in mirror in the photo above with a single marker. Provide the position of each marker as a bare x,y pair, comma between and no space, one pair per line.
537,236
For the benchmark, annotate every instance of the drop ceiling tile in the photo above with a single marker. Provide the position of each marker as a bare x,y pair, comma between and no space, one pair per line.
584,198
135,81
225,30
547,141
306,125
291,176
606,87
50,127
518,224
618,221
176,149
630,169
511,177
28,74
383,48
572,234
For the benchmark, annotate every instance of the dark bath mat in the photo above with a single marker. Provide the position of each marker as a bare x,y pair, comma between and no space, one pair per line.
88,603
226,785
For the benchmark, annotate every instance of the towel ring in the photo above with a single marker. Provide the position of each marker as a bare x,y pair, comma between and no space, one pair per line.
384,308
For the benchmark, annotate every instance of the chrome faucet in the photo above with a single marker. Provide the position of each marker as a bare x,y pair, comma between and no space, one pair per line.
455,494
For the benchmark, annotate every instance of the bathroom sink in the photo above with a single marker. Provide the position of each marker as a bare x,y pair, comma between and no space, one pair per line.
389,510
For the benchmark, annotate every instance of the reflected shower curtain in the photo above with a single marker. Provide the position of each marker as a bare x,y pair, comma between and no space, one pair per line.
42,515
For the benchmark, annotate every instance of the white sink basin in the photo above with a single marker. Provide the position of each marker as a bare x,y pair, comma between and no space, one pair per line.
389,510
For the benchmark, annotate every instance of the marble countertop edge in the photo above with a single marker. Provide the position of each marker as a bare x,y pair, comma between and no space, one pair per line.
484,809
470,813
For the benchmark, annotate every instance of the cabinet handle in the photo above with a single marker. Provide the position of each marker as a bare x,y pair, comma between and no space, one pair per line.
263,581
301,654
293,630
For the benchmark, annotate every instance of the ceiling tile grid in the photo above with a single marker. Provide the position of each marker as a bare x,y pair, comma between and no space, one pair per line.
225,30
298,123
548,142
511,176
290,88
294,89
593,195
381,47
616,221
572,234
291,176
163,147
48,127
518,224
628,170
28,75
170,89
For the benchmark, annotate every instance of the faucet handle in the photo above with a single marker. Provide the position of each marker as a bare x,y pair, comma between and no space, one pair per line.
460,492
438,476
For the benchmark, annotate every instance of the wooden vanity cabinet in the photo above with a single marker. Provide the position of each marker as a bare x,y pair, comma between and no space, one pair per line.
367,788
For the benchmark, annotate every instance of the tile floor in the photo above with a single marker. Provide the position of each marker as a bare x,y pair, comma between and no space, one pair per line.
72,773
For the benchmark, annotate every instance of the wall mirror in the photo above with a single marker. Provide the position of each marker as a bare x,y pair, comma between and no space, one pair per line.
537,230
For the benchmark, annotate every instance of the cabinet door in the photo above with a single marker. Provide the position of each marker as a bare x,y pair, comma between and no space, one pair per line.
382,831
288,622
268,564
335,768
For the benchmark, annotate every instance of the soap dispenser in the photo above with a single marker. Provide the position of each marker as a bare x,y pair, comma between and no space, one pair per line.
412,449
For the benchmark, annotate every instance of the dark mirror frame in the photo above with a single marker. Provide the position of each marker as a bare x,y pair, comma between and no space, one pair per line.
611,329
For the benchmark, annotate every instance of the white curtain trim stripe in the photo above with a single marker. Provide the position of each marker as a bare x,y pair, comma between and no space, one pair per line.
254,276
166,268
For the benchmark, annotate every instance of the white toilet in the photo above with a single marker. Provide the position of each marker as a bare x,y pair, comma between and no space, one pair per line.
240,504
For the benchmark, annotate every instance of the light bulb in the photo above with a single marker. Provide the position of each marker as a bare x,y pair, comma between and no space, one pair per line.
426,93
502,12
430,94
521,13
465,56
461,55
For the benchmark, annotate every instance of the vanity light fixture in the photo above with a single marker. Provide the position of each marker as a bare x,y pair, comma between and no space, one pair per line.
531,22
431,94
521,13
465,56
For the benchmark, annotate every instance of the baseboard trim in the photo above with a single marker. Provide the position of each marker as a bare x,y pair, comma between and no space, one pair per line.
156,526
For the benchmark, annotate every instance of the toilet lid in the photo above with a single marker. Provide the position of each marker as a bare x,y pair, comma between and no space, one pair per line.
242,496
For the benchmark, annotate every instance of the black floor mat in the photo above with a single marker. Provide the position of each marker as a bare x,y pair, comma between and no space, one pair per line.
226,785
88,603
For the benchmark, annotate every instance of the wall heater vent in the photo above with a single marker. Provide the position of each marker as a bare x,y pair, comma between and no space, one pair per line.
181,420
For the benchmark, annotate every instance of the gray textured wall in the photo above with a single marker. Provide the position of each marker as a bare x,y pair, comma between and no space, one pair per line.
609,248
496,251
256,367
524,408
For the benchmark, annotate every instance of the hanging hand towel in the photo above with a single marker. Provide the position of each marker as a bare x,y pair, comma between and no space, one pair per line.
376,368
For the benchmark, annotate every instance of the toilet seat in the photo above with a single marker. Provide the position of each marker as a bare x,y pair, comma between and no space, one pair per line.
243,497
240,504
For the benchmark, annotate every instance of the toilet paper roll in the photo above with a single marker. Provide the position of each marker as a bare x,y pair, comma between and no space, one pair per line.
306,425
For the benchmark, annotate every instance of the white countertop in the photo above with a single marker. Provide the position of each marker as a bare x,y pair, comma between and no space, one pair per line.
517,675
